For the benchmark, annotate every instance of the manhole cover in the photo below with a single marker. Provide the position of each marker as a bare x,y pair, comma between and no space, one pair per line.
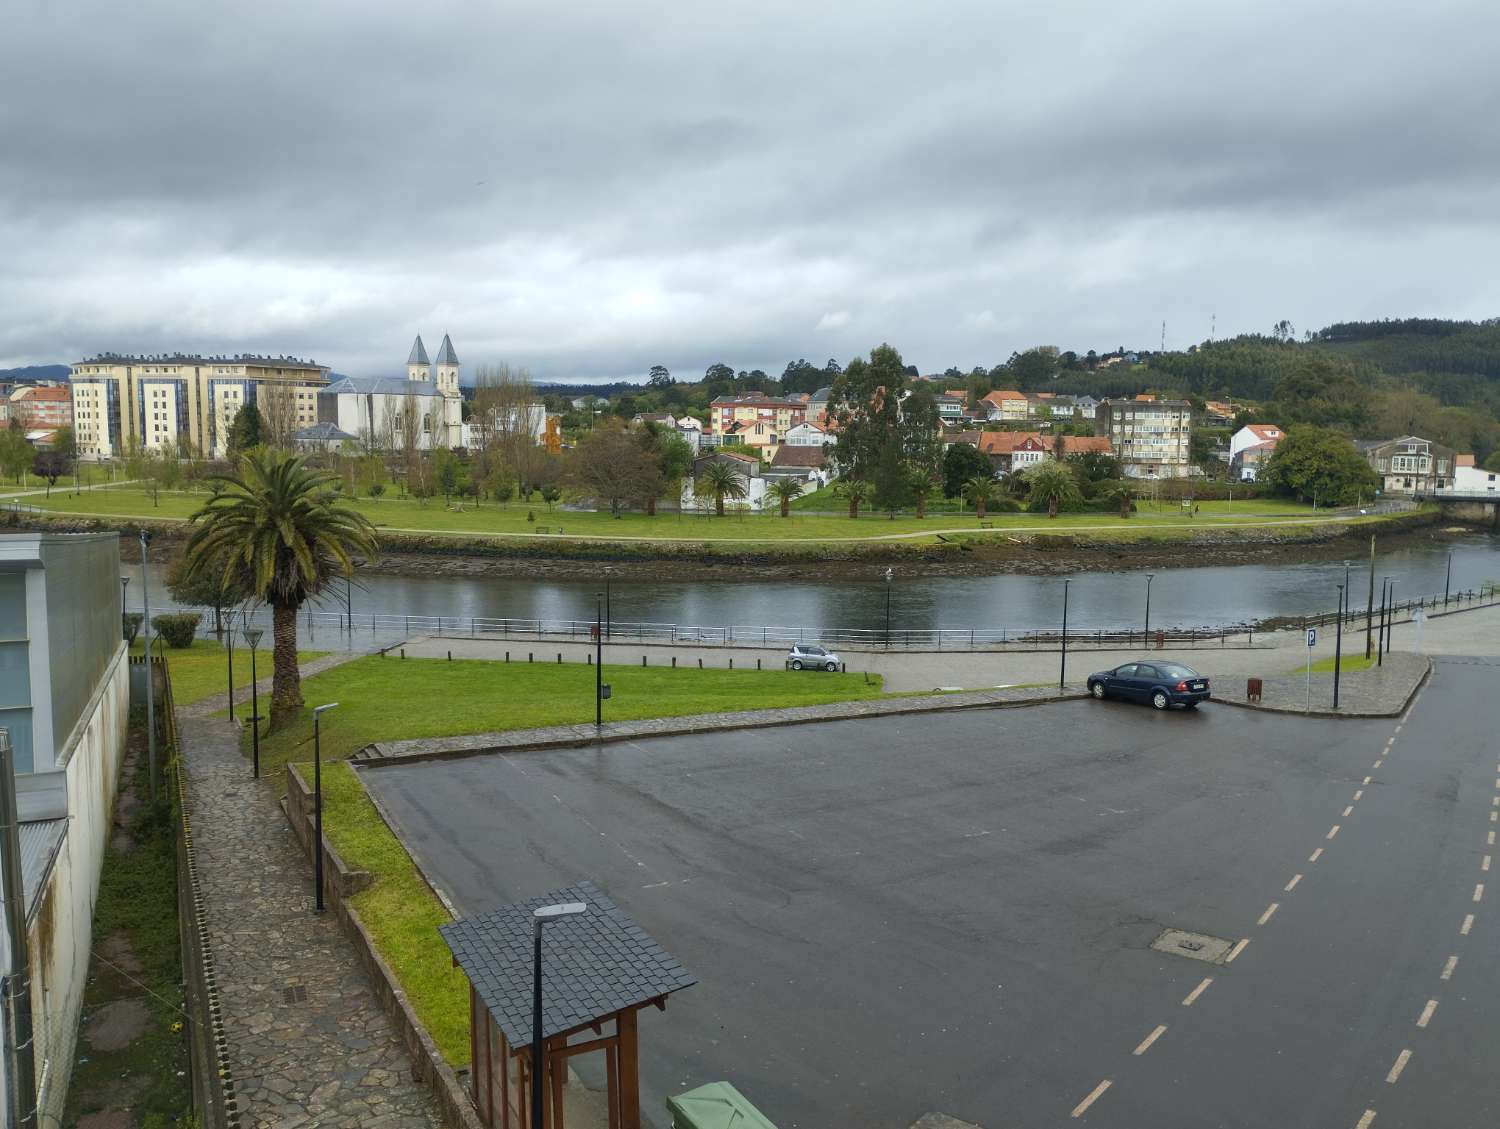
1194,946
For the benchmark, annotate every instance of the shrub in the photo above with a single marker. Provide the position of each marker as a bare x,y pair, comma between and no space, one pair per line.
177,628
132,626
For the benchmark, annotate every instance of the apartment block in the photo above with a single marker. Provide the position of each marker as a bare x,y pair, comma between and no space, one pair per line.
1151,438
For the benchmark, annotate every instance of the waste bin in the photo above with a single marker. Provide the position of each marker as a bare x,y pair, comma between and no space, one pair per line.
1161,640
1252,689
717,1105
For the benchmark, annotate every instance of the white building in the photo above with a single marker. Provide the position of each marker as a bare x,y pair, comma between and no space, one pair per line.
1470,479
65,704
805,435
375,408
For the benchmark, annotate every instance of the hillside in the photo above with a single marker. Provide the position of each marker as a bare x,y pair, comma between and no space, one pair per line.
29,374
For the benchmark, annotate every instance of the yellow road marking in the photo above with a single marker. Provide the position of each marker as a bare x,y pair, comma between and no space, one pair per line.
1290,886
1449,967
1366,1120
1348,811
1401,1060
1237,950
1478,891
1314,856
1467,925
1426,1016
1149,1039
1198,991
1082,1107
1270,909
1334,831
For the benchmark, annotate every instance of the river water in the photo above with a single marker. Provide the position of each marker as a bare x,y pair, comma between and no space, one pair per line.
1186,597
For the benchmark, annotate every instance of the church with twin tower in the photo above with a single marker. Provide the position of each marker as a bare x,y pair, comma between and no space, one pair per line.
447,419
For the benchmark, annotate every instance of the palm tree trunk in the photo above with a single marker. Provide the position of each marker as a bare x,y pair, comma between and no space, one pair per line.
1051,507
719,505
786,507
853,507
921,506
979,507
286,678
651,507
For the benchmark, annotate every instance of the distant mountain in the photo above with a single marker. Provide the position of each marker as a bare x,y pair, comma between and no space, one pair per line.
30,374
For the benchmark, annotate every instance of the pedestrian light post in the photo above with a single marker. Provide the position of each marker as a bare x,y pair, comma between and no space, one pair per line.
252,640
229,647
1385,583
889,573
124,584
1338,648
1062,672
318,712
598,661
540,918
1448,578
1146,629
150,675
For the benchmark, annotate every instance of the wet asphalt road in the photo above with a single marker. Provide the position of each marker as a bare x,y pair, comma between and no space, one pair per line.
953,913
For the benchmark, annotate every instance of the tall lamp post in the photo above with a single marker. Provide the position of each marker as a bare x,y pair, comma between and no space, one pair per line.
1062,672
318,712
1338,648
1146,630
150,675
1385,583
1448,579
252,639
124,584
229,646
349,603
888,575
1390,619
539,918
1370,600
598,661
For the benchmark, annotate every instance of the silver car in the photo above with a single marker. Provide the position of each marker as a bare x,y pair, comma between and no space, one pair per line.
810,656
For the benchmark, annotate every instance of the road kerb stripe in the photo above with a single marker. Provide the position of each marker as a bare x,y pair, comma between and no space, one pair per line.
1366,1121
1449,967
1149,1039
1426,1017
1401,1060
1082,1107
1237,950
1198,991
1270,910
1292,885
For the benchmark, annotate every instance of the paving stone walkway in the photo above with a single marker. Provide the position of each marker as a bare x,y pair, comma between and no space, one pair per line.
331,1058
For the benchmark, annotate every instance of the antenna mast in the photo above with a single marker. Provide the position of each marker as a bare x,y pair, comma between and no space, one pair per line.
1163,337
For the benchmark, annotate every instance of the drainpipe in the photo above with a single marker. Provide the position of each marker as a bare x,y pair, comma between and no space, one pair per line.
20,1051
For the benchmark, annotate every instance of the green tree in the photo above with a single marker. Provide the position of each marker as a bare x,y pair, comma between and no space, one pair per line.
980,491
280,525
720,480
961,462
212,586
610,467
1318,462
1091,467
854,491
785,490
445,472
891,479
1121,492
245,430
15,452
922,486
659,377
1051,483
51,463
1493,462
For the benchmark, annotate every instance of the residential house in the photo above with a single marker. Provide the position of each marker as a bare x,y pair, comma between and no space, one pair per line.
1150,437
1006,406
40,409
1084,407
662,419
65,705
950,408
322,437
806,435
749,470
1410,466
817,405
1251,446
755,419
1217,413
1012,450
1470,479
810,465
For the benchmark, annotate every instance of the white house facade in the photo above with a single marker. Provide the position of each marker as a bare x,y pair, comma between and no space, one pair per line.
375,408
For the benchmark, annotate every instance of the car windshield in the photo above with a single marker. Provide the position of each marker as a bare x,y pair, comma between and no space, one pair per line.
1177,670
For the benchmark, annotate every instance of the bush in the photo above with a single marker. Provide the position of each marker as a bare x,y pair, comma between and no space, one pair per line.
132,626
177,628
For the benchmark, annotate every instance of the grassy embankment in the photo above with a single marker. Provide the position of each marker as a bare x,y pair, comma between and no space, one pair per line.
1352,662
203,669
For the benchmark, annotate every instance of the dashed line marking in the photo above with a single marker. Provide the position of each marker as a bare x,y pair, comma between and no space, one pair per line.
1449,967
1314,856
1377,764
1401,1060
1478,891
1198,991
1082,1107
1426,1017
1398,729
1358,793
1467,925
1495,801
1149,1039
1493,816
1237,950
1333,831
1348,811
1366,1121
1270,910
1491,839
1367,779
1484,863
1292,885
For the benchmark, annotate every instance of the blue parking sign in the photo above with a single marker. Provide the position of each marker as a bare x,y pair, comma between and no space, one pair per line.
1312,638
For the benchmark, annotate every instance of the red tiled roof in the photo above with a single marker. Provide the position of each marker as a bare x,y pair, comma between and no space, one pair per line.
800,456
1463,460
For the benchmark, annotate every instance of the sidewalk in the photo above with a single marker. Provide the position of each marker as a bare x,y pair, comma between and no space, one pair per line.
308,1042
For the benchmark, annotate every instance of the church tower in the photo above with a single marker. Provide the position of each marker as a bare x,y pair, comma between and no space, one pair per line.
418,367
447,368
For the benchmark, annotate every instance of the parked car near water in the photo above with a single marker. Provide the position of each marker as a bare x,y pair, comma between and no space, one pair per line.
810,656
1163,684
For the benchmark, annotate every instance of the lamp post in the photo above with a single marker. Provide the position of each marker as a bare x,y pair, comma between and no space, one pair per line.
539,918
124,584
318,712
1146,629
1062,672
229,647
1448,579
888,575
150,675
598,662
252,638
1390,619
1338,648
1385,583
1370,600
349,603
608,613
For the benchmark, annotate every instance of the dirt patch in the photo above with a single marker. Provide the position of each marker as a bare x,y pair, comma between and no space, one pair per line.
115,1025
117,950
107,1119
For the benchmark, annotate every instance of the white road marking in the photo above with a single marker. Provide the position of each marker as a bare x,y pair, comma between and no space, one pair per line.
1467,925
1149,1039
1398,729
1082,1107
1479,891
1367,779
1375,766
1367,1120
1357,794
1290,886
1484,863
1237,950
1348,811
1449,967
1426,1017
1334,831
1491,839
1314,856
1270,909
1401,1060
1198,991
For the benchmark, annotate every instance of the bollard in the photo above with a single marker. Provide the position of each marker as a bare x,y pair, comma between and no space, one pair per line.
450,656
531,656
700,664
591,659
403,652
843,668
757,664
507,656
643,661
731,664
674,662
559,658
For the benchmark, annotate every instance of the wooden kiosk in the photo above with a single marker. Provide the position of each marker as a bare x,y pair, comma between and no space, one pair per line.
598,970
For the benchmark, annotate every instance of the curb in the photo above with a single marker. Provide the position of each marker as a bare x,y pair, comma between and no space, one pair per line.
1339,714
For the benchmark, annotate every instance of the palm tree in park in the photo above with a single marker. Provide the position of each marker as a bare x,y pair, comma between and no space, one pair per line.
856,490
1051,483
282,529
981,491
720,480
923,486
784,490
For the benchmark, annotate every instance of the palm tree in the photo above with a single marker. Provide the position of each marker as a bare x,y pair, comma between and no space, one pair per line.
784,490
721,480
922,487
281,528
856,490
1052,483
1122,492
981,491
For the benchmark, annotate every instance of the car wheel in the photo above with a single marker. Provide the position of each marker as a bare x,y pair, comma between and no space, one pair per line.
1097,689
796,664
1160,700
831,667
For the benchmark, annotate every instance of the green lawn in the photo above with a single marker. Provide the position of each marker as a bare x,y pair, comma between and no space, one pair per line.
400,910
407,515
1351,662
203,669
391,699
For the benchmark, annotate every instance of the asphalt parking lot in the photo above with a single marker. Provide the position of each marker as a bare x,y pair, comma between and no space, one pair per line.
955,912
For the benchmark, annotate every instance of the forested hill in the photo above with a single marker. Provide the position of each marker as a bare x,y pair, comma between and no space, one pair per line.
30,374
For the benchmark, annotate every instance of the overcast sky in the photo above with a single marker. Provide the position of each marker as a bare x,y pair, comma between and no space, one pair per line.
589,189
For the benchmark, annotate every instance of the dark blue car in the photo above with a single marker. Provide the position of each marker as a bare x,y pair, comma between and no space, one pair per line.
1163,684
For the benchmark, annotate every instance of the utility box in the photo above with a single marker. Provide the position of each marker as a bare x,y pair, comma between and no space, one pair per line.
717,1105
606,691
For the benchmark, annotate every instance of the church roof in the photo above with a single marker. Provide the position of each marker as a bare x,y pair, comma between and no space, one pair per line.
380,386
419,352
446,355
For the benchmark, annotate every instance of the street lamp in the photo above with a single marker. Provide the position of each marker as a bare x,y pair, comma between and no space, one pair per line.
349,605
539,918
318,801
1338,648
252,637
1146,630
150,675
1385,584
888,574
124,584
1062,672
1448,579
229,646
598,661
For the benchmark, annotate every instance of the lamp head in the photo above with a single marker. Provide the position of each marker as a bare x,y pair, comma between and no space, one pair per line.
563,909
318,710
253,635
888,574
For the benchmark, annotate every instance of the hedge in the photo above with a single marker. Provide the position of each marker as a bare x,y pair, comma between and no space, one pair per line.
177,628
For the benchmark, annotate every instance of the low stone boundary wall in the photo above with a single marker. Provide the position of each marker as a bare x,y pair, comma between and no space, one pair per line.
342,882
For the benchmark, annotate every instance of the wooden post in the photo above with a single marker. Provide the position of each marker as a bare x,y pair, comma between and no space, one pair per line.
557,1073
630,1080
612,1083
